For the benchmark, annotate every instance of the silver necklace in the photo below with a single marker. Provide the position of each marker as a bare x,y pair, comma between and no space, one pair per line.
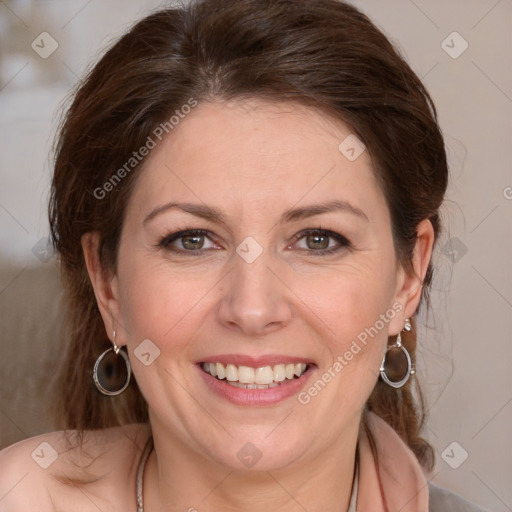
140,473
149,447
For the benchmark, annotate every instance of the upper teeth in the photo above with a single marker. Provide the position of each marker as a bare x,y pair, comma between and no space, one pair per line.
248,375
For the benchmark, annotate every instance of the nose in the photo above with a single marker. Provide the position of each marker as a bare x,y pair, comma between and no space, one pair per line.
255,301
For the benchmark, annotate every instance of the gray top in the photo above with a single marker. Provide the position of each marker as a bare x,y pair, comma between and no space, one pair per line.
443,500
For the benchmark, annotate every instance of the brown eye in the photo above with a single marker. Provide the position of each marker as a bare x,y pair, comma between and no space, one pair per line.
321,242
317,241
192,242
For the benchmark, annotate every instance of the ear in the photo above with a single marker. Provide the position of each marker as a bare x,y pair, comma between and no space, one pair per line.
410,281
105,286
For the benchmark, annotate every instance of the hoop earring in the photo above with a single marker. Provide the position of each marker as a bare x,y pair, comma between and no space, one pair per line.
397,367
111,373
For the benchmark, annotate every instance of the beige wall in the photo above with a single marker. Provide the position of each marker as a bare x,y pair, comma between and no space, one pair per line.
466,344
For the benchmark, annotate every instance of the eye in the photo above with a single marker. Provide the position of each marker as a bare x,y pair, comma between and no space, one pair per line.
188,241
192,242
320,241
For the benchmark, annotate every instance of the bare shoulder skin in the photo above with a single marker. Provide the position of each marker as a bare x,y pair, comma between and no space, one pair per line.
52,472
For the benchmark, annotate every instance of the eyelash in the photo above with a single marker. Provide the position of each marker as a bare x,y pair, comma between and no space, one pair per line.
342,241
166,241
169,239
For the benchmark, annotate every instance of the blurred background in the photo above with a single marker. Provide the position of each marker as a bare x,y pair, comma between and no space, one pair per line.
461,50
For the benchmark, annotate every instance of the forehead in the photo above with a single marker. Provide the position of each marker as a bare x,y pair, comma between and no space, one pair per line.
269,154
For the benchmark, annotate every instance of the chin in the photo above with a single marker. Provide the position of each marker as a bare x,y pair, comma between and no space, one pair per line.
259,454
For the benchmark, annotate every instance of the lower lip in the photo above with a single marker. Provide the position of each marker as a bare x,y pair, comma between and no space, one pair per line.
256,397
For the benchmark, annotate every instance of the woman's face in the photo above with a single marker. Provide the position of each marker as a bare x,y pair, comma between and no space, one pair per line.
288,259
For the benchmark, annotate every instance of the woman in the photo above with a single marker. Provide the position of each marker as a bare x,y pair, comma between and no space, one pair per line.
245,203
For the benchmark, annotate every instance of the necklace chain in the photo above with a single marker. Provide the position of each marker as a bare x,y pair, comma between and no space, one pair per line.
140,473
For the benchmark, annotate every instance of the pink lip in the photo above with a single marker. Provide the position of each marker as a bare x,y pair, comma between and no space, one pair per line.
255,397
254,362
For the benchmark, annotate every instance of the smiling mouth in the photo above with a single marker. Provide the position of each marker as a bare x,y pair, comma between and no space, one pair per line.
263,377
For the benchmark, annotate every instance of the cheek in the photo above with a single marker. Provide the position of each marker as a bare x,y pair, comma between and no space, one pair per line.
152,300
352,308
354,317
350,300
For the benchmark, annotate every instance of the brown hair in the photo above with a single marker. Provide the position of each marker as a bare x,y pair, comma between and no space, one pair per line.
325,54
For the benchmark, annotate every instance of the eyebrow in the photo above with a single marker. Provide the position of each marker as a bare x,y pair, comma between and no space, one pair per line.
295,214
199,210
290,215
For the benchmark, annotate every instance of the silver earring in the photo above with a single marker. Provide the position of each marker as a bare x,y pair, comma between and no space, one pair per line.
397,367
112,373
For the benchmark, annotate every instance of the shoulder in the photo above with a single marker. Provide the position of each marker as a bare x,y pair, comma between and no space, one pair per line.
443,500
21,477
56,471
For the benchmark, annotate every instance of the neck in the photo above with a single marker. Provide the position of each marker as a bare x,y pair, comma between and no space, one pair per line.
178,479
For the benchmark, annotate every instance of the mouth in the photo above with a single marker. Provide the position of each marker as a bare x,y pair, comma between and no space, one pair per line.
251,382
247,377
